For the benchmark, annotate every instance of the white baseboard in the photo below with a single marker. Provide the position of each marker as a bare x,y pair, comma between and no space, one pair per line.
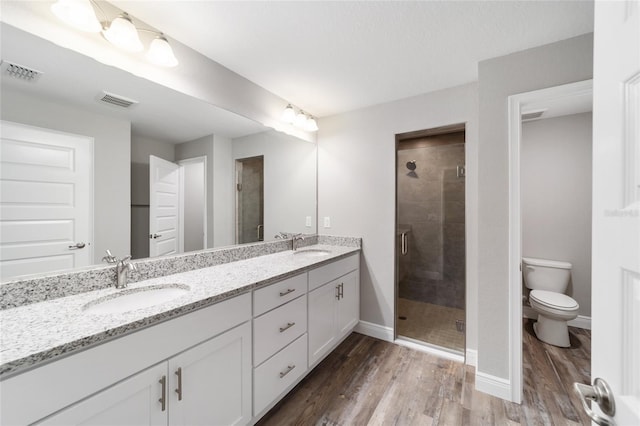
493,385
425,347
375,330
471,357
581,322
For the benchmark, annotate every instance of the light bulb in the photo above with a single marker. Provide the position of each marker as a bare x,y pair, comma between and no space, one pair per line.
123,34
311,125
301,119
160,52
77,13
288,115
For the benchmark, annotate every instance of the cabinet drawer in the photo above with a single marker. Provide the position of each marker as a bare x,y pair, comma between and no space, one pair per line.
276,329
278,373
279,293
334,270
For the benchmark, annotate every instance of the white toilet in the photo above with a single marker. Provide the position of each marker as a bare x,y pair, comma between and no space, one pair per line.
548,280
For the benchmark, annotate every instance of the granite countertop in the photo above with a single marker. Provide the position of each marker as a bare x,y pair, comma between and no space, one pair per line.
41,332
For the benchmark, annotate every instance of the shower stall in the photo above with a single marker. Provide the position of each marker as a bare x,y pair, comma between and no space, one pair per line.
430,237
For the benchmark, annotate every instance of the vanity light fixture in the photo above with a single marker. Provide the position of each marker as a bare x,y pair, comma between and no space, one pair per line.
311,125
77,13
123,34
160,52
121,31
289,114
300,120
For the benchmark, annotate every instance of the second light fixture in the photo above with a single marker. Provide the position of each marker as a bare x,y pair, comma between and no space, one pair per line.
300,120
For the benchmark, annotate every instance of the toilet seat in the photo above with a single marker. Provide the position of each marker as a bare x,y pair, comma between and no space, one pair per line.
553,300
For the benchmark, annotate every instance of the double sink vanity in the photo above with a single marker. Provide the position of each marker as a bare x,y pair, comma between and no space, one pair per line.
219,342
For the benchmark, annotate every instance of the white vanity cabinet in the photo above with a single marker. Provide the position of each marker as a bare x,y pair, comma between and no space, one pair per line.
206,385
279,339
334,305
119,382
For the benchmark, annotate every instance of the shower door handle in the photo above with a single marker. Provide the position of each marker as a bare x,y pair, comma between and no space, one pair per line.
404,244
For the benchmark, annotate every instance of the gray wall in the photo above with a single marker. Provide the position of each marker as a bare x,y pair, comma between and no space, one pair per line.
356,188
112,139
556,197
551,65
224,190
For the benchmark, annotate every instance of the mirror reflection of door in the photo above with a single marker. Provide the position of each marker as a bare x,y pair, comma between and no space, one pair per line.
45,200
193,213
250,200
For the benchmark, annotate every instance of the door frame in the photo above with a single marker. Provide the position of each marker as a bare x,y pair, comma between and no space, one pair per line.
515,105
194,160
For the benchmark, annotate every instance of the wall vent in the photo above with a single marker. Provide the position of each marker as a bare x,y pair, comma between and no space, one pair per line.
533,115
116,100
19,71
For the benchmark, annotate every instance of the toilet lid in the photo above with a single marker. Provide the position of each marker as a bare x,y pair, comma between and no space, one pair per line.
553,300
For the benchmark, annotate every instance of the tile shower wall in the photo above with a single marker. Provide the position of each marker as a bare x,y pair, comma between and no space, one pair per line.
431,204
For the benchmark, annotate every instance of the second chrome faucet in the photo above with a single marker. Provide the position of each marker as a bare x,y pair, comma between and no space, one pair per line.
295,238
123,266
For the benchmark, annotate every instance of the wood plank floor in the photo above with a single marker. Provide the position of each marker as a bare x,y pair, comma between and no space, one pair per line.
366,381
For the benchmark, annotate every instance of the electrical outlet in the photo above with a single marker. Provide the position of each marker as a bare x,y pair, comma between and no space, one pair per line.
307,222
327,222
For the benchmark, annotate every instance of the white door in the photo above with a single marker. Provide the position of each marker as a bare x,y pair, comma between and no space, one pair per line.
164,207
46,183
211,383
616,205
135,401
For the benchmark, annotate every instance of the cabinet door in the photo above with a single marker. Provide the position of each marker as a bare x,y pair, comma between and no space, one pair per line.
134,401
348,304
322,320
211,383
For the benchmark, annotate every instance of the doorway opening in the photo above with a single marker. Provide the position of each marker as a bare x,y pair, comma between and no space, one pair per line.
549,220
430,238
250,199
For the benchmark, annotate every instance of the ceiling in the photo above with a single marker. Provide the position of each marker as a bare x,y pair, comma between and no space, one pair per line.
329,57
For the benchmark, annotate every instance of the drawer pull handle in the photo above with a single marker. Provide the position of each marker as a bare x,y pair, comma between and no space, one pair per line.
179,390
286,327
287,371
289,290
163,399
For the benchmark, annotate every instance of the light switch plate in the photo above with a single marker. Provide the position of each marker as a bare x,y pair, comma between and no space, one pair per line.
307,222
327,222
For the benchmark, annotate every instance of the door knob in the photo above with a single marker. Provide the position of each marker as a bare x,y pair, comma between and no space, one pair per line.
602,395
77,246
154,236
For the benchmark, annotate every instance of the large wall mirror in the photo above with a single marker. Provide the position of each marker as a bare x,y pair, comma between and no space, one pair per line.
95,158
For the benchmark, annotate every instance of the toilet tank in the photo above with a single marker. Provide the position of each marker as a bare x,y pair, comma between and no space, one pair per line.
544,274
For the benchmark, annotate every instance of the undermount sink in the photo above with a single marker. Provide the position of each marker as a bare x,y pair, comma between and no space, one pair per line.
312,252
138,298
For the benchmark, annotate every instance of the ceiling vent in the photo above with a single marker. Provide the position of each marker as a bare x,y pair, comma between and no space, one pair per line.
19,71
116,100
533,115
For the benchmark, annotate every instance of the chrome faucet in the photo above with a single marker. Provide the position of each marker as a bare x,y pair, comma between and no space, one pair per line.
123,266
294,238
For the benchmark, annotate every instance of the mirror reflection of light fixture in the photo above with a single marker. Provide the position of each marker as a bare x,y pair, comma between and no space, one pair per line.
123,34
77,13
289,115
160,52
